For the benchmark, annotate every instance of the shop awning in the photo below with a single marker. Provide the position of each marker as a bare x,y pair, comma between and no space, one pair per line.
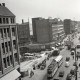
11,76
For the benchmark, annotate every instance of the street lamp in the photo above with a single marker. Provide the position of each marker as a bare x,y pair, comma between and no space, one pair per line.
76,64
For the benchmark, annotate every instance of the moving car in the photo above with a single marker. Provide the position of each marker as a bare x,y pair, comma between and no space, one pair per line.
73,48
67,64
72,71
69,77
67,58
72,52
61,73
78,46
75,63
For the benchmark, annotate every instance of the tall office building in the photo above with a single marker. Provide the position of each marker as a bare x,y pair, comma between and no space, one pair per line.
9,52
34,28
41,30
67,26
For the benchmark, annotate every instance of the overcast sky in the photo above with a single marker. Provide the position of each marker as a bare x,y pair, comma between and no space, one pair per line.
44,8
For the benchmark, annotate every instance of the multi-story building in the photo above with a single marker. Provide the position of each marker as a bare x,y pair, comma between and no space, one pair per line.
23,33
9,52
69,26
34,28
43,31
57,32
48,30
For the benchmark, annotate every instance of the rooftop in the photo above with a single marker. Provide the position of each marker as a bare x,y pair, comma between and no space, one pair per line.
4,11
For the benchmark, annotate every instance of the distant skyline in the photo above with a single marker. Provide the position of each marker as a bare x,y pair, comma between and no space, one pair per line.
63,9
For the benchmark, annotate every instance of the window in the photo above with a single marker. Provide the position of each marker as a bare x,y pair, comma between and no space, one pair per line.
14,44
0,20
4,21
7,21
4,32
8,63
12,20
4,62
1,32
9,44
13,31
16,57
3,48
8,32
6,46
11,59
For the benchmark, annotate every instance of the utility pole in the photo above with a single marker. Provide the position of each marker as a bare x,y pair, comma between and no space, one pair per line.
76,65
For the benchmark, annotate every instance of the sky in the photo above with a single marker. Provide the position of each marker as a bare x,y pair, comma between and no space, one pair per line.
63,9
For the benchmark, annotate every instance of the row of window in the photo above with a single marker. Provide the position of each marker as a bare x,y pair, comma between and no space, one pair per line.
9,60
5,32
6,47
6,20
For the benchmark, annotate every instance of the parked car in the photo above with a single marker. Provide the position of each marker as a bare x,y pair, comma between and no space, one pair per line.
72,71
69,77
67,64
61,73
72,52
67,58
73,48
74,63
78,46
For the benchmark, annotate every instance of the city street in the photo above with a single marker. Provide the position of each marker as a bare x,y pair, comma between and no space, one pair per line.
42,74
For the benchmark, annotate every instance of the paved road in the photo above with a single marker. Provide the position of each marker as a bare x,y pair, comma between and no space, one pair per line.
42,74
67,53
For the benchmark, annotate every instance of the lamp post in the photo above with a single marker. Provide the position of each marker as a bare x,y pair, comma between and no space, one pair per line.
75,65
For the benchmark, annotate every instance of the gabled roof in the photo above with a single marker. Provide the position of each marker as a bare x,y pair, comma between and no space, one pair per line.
4,11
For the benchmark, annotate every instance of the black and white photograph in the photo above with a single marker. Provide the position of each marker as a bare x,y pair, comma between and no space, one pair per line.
39,39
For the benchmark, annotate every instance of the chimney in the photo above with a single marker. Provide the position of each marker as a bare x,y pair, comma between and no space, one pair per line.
22,21
3,4
0,4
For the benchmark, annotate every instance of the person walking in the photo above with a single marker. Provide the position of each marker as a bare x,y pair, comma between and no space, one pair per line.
73,56
77,56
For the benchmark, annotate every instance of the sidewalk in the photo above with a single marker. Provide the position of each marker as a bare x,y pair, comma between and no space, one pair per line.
39,74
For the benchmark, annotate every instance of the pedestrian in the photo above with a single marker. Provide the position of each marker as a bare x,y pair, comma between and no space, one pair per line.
77,57
73,56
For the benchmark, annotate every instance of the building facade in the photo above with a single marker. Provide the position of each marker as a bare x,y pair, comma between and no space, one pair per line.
9,51
23,33
70,26
43,31
58,33
48,30
34,28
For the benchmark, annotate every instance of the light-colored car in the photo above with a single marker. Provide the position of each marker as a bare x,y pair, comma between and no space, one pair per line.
67,64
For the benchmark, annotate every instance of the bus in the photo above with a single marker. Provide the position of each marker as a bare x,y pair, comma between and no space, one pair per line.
59,60
52,69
